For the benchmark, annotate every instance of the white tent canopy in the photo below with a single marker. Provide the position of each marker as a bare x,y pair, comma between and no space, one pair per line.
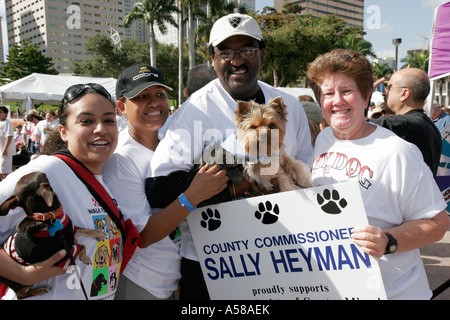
48,89
296,92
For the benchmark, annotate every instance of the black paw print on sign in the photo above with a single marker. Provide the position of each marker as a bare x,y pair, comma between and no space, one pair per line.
331,202
210,219
266,213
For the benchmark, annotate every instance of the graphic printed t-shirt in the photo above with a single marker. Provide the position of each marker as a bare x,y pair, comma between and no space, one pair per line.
100,279
396,186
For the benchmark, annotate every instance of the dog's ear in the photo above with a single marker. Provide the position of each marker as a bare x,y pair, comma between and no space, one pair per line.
46,192
10,203
278,105
243,107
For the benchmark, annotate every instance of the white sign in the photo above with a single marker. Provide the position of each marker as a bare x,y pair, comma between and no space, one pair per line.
290,245
443,172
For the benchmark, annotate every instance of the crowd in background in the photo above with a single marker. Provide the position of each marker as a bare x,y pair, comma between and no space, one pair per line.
156,186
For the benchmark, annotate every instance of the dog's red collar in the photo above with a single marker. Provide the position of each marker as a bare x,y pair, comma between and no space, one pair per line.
48,215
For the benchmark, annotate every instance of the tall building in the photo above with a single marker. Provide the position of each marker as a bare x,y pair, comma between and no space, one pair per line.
2,52
61,27
351,11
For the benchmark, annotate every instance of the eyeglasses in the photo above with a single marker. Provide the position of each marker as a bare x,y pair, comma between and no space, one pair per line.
77,89
389,87
228,54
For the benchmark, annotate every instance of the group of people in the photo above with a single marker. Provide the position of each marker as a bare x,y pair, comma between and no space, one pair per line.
155,182
37,129
24,141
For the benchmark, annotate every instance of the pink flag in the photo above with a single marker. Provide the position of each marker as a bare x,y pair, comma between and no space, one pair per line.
440,43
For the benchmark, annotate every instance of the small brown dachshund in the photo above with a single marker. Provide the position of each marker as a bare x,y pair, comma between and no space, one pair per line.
45,230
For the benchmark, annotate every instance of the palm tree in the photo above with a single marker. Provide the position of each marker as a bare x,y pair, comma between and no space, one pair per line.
381,70
195,10
215,10
180,50
417,59
356,42
190,6
153,12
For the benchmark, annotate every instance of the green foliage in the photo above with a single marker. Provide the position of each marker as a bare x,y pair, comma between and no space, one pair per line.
218,10
109,61
417,59
294,40
381,70
291,8
153,12
25,60
167,56
352,38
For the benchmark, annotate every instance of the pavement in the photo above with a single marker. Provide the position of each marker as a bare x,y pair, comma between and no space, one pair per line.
436,258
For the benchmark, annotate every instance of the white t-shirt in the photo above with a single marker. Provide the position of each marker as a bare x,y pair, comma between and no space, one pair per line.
7,130
209,115
157,267
396,186
100,279
44,128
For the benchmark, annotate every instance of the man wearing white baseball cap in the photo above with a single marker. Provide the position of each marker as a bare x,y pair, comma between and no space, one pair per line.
234,25
237,49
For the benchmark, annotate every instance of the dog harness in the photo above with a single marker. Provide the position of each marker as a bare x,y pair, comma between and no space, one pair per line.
17,248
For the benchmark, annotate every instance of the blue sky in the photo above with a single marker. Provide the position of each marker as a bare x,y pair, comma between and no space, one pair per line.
403,19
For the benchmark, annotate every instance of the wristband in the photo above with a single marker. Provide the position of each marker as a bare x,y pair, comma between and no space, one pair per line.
185,202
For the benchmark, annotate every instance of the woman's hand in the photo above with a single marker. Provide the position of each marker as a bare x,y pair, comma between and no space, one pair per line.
371,239
410,235
208,182
34,273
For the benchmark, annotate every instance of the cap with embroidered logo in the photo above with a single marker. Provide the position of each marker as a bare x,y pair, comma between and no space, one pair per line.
234,24
136,78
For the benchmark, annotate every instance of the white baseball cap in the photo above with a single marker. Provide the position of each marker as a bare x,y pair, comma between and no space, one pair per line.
234,24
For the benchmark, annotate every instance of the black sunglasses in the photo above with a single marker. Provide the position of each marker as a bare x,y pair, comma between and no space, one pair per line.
77,89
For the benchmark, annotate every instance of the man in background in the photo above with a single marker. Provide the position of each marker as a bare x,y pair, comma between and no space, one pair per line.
405,95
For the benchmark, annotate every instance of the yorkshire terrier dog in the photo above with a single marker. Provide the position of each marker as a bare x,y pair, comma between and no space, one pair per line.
256,151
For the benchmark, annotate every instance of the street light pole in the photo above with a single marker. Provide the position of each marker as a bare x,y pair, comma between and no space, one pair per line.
396,42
